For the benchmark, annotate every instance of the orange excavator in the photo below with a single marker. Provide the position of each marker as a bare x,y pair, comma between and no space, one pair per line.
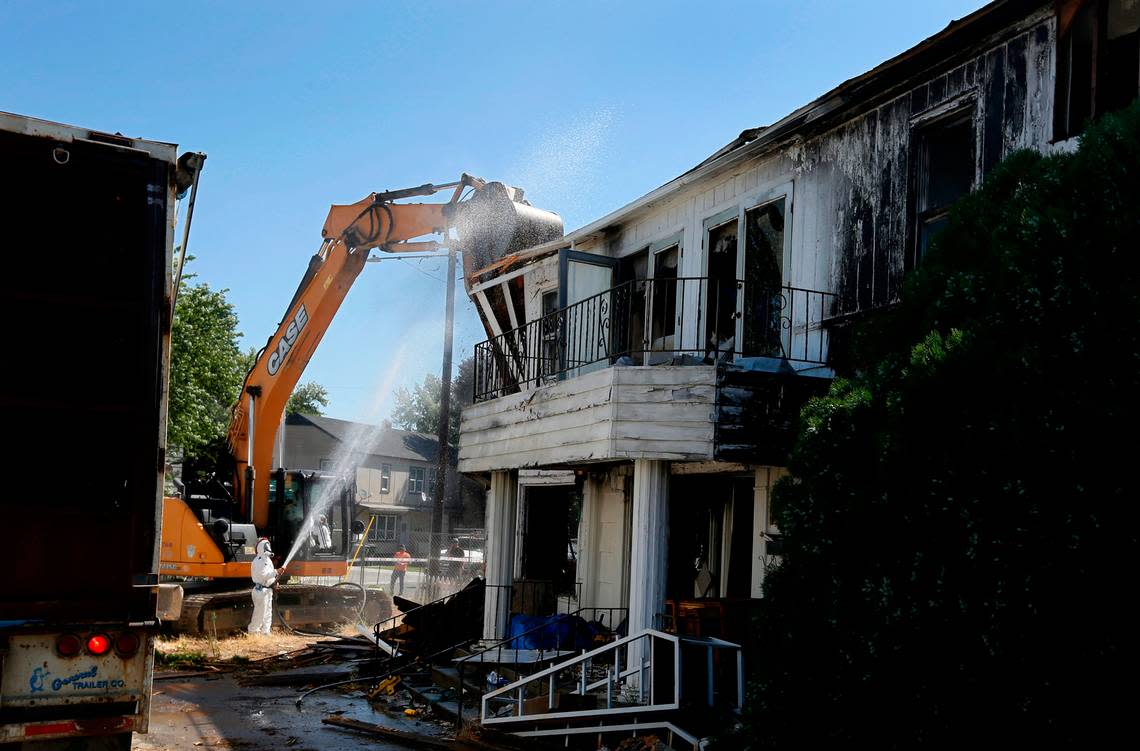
210,532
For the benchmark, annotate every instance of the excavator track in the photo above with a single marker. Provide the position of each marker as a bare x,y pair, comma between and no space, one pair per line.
299,605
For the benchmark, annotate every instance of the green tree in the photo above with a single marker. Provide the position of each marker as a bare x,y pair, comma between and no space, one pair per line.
307,399
206,368
959,533
419,408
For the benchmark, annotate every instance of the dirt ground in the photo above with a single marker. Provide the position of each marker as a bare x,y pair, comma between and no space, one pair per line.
240,646
191,710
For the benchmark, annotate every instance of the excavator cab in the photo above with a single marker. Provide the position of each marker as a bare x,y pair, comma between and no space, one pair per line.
312,511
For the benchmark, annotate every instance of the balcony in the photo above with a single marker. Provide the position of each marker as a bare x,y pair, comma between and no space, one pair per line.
674,368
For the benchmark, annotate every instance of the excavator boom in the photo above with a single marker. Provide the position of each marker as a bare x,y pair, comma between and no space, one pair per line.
212,535
350,232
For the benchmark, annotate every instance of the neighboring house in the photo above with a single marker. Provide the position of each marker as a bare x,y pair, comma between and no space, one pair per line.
395,474
653,361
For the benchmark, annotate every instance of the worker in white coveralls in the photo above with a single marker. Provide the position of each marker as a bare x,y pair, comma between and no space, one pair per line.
264,579
321,536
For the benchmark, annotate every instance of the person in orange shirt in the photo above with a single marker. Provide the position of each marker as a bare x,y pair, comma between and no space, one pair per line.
399,569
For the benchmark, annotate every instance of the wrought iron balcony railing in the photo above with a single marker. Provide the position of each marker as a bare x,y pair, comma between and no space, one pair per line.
656,321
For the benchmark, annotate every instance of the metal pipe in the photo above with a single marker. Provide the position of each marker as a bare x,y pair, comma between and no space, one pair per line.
186,232
249,445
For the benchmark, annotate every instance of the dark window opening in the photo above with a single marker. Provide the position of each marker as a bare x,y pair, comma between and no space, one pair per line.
945,174
633,270
763,278
720,321
549,332
1098,61
664,297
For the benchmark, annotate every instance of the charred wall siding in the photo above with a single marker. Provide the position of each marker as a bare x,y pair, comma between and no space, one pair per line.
757,413
862,172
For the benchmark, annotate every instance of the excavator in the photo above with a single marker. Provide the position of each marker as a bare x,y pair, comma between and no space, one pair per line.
210,532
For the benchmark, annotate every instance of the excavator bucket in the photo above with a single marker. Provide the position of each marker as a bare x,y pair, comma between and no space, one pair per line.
497,221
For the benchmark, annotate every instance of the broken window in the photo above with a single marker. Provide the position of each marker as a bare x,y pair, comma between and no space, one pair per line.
416,480
663,302
945,173
385,477
629,331
721,315
548,331
764,278
1098,61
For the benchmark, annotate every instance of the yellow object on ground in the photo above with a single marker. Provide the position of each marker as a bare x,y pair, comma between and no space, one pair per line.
386,687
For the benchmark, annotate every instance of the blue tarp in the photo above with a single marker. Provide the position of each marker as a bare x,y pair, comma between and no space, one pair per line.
561,631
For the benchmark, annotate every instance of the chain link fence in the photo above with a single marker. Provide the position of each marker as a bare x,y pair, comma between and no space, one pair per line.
376,562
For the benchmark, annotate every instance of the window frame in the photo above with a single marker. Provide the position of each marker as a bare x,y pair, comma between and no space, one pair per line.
385,478
783,190
413,481
1063,128
389,523
653,251
962,109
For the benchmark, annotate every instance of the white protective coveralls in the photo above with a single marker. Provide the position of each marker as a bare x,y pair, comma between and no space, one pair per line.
264,577
320,538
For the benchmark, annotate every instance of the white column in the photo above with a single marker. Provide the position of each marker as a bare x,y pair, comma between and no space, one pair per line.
499,552
519,531
762,524
649,543
588,543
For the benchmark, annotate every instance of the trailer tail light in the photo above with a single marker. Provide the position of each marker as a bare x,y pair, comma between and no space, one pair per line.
98,644
126,644
68,645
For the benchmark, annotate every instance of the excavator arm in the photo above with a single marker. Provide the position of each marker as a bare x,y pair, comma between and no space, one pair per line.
350,233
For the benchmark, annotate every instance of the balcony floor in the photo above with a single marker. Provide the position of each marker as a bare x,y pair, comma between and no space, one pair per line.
612,414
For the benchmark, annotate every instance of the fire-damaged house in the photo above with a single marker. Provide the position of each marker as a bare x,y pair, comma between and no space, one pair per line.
643,373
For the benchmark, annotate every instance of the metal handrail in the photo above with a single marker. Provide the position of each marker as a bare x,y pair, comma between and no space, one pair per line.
643,320
645,672
461,663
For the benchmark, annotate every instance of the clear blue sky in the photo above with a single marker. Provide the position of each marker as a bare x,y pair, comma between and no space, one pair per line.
585,105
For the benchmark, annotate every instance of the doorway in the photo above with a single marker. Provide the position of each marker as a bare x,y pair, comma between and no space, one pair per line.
547,554
586,281
710,537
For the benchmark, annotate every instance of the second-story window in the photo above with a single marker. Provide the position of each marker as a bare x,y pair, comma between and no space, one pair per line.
766,305
1098,61
549,327
944,171
663,302
416,480
385,477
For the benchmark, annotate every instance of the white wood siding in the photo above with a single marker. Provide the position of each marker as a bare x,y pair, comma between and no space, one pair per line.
654,412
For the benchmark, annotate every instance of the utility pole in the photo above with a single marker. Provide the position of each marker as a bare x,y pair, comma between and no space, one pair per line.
444,421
